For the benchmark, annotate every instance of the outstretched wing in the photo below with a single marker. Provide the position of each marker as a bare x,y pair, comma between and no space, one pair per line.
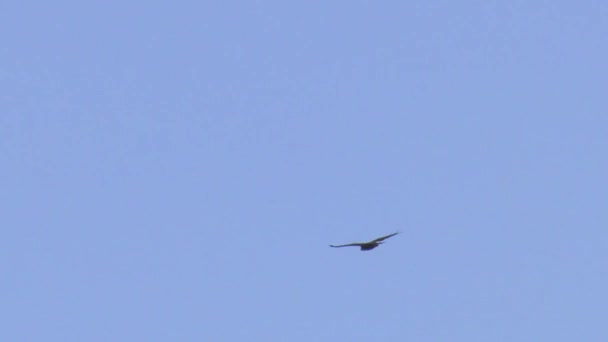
384,237
348,245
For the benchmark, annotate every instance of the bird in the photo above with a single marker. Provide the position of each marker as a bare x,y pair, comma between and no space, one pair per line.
367,246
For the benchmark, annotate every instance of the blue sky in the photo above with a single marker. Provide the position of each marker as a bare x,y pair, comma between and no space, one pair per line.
175,171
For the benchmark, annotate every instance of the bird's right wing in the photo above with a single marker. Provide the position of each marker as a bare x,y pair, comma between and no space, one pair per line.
347,245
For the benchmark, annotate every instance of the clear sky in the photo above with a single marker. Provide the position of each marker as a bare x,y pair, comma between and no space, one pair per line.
175,171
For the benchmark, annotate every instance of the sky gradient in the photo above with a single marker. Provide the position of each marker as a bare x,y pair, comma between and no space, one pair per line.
176,171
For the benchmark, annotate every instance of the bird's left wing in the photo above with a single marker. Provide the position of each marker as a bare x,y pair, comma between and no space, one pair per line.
385,237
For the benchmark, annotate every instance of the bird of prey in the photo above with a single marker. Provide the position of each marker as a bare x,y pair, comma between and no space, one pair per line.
366,246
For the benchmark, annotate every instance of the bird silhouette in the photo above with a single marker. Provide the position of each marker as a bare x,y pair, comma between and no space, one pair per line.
366,246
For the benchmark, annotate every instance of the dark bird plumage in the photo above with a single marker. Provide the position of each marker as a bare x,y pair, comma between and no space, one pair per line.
366,246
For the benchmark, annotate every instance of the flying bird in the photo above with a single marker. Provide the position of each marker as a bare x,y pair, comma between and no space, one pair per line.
366,246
